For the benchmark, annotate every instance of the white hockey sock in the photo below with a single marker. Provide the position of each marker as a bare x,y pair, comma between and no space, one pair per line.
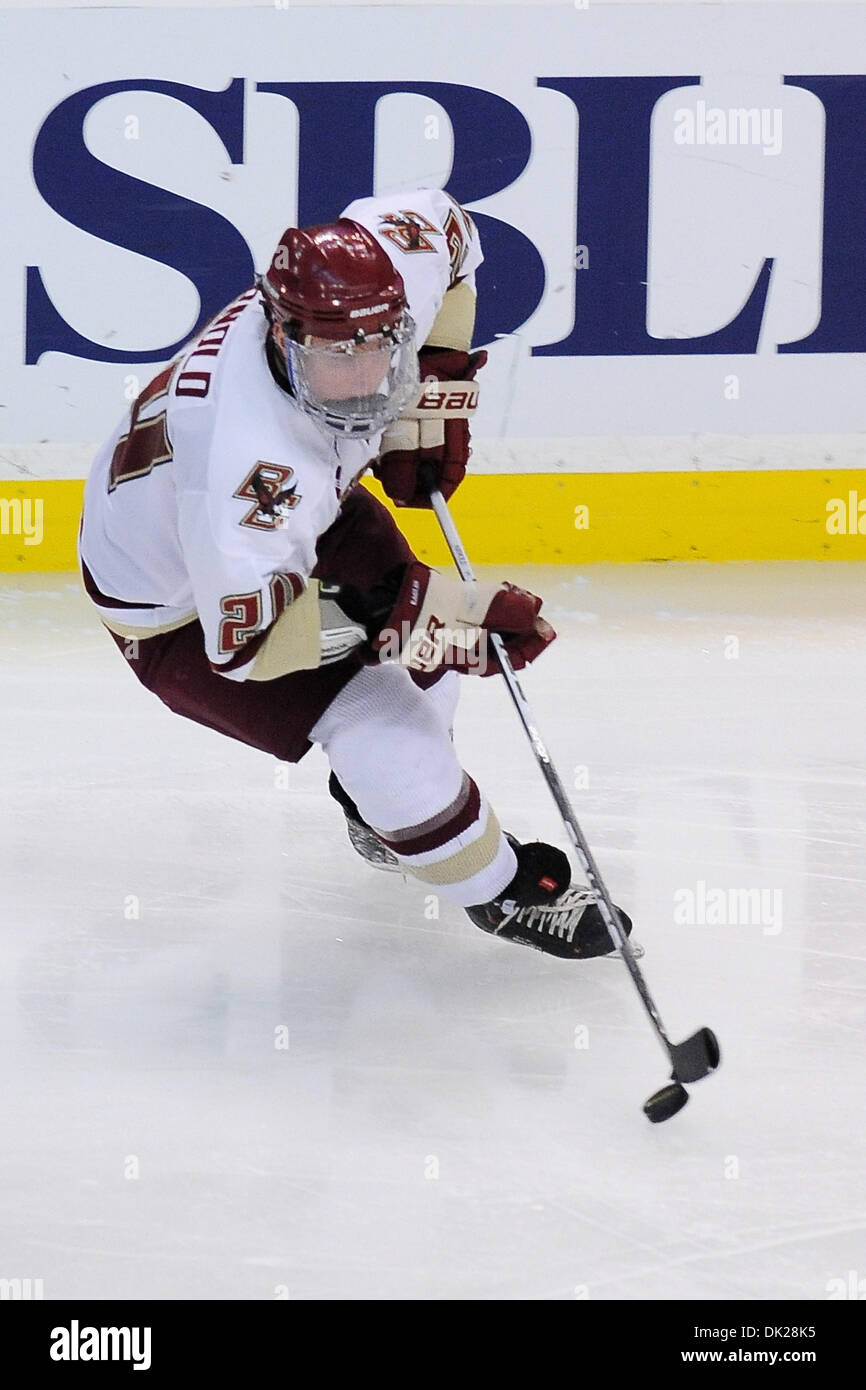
390,749
444,696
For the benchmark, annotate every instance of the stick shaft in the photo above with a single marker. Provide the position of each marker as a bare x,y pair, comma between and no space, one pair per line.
606,906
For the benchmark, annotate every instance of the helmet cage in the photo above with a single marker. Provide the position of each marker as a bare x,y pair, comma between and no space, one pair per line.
355,387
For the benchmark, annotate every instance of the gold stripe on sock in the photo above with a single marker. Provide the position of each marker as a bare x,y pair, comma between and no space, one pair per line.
466,862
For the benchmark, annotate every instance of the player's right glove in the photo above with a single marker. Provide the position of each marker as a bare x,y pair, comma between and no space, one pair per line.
433,429
425,620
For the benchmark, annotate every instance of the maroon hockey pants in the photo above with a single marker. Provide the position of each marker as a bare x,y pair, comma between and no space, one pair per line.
275,716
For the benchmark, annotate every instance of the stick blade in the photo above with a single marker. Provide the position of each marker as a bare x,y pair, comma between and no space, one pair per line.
696,1057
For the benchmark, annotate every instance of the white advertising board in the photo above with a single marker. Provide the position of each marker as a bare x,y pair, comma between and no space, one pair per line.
672,199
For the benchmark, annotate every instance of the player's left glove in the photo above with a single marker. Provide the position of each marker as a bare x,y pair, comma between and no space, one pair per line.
434,428
425,620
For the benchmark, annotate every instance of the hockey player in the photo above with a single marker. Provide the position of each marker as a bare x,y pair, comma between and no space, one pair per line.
256,589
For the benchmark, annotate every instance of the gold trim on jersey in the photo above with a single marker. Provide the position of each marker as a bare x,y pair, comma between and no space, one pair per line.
454,324
294,641
129,630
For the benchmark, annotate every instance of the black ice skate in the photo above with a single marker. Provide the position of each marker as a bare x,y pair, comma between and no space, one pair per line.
362,836
370,847
539,908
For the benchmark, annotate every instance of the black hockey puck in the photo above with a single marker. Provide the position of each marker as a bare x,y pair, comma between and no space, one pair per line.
666,1102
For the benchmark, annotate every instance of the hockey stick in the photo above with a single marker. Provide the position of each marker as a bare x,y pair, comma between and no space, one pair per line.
697,1055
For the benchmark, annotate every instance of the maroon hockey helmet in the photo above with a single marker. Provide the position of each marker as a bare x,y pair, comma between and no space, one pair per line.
334,282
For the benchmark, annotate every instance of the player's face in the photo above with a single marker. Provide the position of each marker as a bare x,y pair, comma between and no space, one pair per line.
352,388
341,372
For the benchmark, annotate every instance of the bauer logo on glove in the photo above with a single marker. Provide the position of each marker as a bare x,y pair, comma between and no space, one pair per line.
429,442
446,405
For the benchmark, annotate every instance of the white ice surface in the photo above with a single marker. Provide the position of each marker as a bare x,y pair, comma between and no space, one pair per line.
432,1131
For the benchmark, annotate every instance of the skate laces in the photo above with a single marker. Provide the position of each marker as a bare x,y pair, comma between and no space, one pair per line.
556,919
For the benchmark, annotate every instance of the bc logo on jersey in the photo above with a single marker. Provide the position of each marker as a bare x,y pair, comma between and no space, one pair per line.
265,486
409,230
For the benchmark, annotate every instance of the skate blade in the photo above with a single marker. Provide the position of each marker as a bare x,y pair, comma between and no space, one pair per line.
636,949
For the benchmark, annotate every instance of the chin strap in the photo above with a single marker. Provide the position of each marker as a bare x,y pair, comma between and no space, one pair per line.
277,366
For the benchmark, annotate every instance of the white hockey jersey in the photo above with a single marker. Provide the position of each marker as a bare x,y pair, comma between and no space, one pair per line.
173,526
